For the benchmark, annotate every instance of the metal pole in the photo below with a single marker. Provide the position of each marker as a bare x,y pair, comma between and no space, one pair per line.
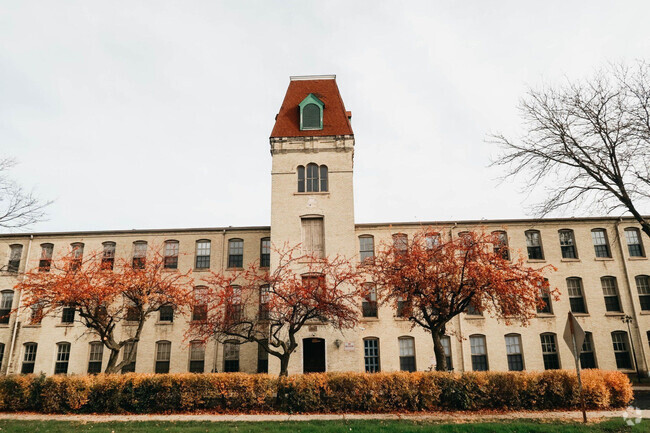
577,359
628,319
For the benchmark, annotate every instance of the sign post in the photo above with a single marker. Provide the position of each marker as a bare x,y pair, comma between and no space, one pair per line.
574,336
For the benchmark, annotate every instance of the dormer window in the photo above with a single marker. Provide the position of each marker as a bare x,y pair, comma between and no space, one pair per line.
311,113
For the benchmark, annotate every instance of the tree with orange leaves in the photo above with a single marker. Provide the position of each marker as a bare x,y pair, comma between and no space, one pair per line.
106,294
270,308
430,280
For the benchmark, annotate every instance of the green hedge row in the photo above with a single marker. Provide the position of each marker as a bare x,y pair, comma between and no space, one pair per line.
327,392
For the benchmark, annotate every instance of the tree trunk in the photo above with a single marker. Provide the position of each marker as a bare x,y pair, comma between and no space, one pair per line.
439,351
111,367
284,364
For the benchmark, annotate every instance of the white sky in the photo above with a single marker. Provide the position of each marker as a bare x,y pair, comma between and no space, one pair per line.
157,114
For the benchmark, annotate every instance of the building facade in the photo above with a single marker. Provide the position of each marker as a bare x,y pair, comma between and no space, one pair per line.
602,274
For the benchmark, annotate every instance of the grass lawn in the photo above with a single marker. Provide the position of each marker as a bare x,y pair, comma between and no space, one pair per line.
357,426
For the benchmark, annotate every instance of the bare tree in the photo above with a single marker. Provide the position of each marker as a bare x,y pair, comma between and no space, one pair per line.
586,142
18,208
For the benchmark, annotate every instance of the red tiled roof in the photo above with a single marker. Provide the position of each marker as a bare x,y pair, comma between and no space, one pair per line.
335,119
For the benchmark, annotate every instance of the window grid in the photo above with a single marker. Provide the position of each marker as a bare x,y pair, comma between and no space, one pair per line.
265,252
634,246
127,350
366,248
29,358
231,357
171,255
45,263
610,292
139,254
587,358
235,253
200,308
601,246
568,244
371,354
400,243
621,351
446,346
77,255
6,302
62,358
264,302
163,356
501,244
643,287
546,297
15,254
197,357
108,256
262,360
513,351
534,245
95,357
166,313
576,298
549,352
369,304
407,354
202,254
479,353
67,315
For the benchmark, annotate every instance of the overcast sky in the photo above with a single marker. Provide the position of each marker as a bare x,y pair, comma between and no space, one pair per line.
157,114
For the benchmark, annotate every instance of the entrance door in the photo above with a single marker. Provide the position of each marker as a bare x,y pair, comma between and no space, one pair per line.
313,355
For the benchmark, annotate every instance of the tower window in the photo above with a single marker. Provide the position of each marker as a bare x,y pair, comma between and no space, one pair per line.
316,179
311,113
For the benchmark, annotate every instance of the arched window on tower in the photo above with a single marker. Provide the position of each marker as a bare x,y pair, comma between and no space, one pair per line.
313,179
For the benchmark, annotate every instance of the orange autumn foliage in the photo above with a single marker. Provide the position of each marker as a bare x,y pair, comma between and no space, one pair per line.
433,278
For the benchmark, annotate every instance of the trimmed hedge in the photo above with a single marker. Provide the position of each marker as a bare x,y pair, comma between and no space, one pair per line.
326,392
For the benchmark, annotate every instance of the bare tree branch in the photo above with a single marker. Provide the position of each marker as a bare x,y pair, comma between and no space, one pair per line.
18,208
586,142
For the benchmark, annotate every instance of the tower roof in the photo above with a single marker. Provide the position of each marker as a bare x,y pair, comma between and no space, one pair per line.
335,118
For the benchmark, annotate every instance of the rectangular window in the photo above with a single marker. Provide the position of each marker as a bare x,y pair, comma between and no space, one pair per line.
621,351
301,178
2,353
432,241
166,313
62,358
369,304
233,309
634,246
95,357
513,350
231,357
265,252
371,355
139,254
108,256
534,245
643,287
568,244
127,350
77,256
197,357
500,245
6,302
264,302
171,255
479,353
67,315
312,178
446,345
202,254
235,253
15,253
163,356
407,354
400,243
313,237
587,358
576,298
547,308
366,248
45,263
200,308
401,307
610,292
29,358
549,352
601,246
262,360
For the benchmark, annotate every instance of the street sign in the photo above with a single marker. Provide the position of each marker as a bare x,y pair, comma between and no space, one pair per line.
574,336
578,332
